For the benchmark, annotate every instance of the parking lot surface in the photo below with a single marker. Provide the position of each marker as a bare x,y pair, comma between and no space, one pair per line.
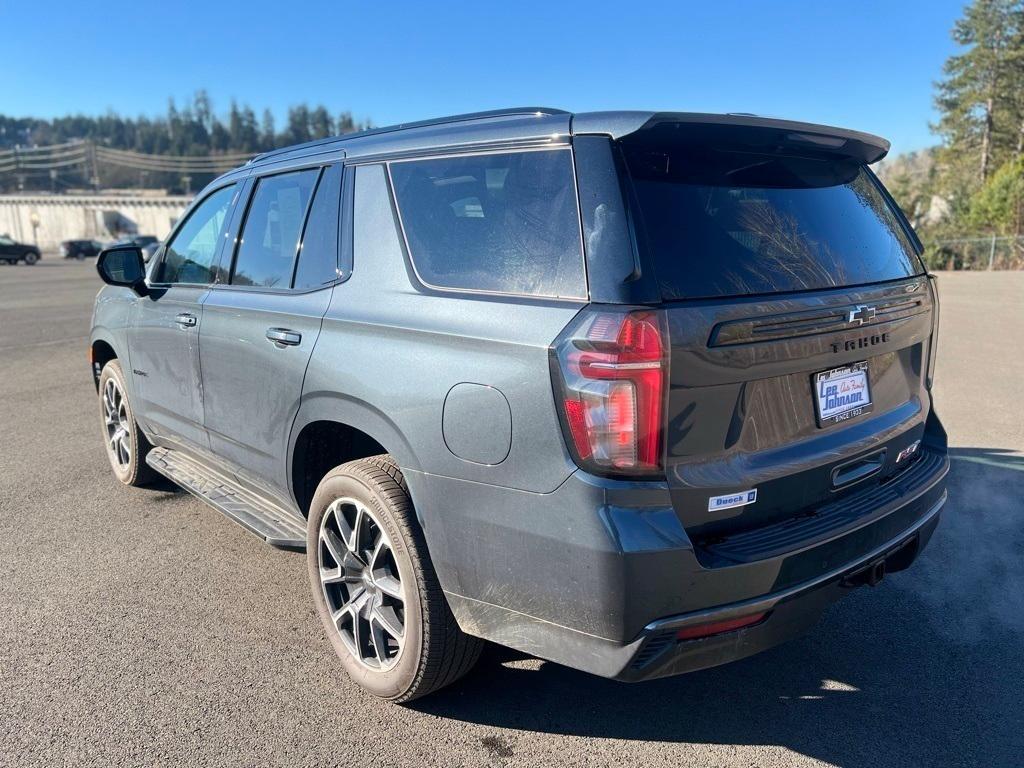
140,627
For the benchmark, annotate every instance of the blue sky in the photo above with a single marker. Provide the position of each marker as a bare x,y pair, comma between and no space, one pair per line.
866,65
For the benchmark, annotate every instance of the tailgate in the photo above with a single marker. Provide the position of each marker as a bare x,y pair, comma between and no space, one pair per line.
743,413
799,319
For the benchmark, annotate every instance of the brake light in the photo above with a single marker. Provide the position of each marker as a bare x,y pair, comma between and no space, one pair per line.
610,370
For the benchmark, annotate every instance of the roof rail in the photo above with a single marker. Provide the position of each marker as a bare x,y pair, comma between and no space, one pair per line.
510,112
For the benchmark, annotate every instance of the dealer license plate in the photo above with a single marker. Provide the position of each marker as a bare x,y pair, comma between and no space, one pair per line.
842,393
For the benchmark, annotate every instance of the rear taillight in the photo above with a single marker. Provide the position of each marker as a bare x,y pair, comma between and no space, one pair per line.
610,371
933,343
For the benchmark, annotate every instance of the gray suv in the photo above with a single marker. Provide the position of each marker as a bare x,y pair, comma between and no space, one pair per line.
638,393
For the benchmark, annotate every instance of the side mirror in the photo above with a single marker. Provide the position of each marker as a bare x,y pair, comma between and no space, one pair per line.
123,265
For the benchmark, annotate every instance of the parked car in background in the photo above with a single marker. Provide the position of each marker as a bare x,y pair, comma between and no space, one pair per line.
140,241
147,243
149,249
80,249
639,393
11,251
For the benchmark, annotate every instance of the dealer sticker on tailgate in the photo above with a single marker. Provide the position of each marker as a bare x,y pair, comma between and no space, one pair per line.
842,393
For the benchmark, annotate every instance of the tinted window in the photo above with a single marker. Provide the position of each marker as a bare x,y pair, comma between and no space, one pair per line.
189,256
273,225
502,222
729,223
318,254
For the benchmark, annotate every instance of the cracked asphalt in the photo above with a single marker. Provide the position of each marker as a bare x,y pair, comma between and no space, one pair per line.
139,627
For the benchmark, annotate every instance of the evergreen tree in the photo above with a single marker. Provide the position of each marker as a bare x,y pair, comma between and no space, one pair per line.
203,109
298,125
346,124
998,207
192,130
173,123
268,137
320,124
1015,70
249,139
235,125
220,139
975,95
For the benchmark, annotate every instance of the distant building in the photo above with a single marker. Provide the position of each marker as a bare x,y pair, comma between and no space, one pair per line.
46,220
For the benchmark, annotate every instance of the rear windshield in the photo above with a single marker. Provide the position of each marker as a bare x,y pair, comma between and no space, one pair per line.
724,223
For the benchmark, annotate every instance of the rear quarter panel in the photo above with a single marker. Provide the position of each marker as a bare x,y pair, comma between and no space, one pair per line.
389,354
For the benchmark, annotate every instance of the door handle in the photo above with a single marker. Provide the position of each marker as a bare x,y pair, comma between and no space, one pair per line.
185,320
284,336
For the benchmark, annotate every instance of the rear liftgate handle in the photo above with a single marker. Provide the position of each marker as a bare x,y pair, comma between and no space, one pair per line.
284,337
857,470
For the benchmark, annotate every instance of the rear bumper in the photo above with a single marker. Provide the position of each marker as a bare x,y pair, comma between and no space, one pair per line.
657,653
600,575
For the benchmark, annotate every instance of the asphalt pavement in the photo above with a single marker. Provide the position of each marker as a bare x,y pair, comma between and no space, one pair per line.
140,627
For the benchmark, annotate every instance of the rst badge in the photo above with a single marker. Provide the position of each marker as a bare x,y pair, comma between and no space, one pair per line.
729,500
907,452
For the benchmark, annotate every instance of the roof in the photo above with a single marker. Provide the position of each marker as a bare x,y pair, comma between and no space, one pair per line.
544,124
518,122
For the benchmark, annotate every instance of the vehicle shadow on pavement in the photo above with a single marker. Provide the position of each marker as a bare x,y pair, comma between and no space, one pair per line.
924,669
167,489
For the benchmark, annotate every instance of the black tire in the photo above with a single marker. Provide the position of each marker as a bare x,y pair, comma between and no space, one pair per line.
31,258
436,652
133,442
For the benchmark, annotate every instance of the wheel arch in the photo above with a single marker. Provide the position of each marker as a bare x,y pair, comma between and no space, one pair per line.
331,429
101,352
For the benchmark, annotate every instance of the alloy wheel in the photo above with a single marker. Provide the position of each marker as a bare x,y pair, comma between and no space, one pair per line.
361,584
117,422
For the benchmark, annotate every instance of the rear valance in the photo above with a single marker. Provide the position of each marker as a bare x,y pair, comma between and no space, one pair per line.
735,132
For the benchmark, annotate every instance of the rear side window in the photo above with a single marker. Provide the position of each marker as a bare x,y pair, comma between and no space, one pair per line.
273,226
189,255
737,223
504,223
318,253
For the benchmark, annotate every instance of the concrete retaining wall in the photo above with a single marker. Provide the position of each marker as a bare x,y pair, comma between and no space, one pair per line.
48,219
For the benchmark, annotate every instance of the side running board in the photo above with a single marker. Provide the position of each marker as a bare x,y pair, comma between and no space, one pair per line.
277,526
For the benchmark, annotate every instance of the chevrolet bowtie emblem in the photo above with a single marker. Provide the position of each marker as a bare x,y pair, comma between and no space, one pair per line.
862,314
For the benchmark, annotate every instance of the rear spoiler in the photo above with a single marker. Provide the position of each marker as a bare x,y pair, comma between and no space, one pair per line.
739,131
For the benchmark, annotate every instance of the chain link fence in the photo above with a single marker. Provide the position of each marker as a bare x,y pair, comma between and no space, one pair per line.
979,252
